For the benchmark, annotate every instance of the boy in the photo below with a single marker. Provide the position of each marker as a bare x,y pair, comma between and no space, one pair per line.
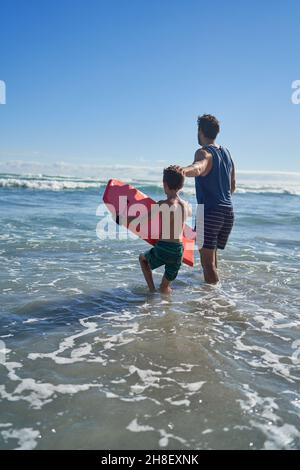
168,251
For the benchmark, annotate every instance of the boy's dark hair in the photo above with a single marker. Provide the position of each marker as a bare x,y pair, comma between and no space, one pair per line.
209,125
174,178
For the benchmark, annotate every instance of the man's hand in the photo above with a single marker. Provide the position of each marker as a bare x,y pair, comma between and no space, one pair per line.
201,166
180,169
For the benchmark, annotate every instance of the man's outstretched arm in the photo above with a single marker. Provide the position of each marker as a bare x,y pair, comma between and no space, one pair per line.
199,166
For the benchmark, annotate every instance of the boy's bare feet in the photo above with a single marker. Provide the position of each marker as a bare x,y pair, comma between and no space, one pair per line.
165,286
166,291
147,272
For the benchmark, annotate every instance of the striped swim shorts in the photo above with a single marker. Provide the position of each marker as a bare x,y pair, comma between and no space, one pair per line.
218,223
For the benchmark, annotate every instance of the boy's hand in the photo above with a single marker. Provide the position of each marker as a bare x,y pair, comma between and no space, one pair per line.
117,218
122,219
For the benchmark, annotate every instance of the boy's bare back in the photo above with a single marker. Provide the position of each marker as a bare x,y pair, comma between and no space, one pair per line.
174,212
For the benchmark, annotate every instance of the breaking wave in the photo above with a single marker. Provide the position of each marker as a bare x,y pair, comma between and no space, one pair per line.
59,183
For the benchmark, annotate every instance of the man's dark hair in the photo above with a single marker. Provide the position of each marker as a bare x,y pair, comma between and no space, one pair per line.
209,125
174,178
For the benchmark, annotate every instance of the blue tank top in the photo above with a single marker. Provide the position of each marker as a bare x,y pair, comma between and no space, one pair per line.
214,189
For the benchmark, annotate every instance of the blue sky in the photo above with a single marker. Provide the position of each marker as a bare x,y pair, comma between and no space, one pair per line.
123,81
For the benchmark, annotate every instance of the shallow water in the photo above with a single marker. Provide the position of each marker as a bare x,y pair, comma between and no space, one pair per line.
92,360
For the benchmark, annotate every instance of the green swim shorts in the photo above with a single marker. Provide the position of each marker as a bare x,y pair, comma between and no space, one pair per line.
168,254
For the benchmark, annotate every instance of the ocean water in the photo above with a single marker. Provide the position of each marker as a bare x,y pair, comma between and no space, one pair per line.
90,360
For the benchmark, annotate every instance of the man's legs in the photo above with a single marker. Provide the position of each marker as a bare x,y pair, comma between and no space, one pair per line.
209,265
147,272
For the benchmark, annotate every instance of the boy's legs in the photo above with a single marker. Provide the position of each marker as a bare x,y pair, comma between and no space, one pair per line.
147,272
171,271
165,286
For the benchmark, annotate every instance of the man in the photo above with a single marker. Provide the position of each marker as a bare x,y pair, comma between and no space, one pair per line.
214,174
